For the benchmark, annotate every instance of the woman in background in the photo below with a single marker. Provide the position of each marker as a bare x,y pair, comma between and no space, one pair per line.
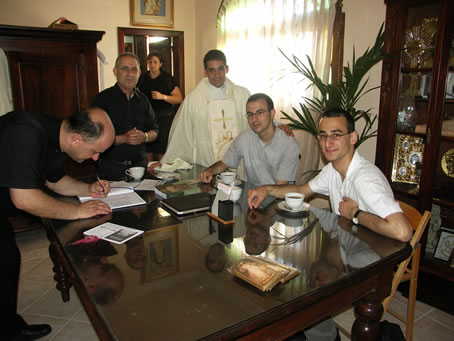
161,90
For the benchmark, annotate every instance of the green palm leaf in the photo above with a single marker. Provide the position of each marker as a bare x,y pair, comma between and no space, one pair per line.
344,95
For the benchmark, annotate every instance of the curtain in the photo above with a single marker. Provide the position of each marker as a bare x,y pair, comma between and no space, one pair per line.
6,98
251,32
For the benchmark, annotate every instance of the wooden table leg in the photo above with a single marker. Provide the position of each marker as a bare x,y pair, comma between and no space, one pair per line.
61,276
368,315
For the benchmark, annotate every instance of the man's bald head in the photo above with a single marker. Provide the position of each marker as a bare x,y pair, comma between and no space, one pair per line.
91,124
87,134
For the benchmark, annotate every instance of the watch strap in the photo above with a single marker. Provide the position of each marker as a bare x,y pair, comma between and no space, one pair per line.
355,217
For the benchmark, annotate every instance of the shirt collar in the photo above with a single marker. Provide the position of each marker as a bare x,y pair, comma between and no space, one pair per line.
118,92
354,164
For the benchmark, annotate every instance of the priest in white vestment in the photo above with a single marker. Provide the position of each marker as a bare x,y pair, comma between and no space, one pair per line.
211,116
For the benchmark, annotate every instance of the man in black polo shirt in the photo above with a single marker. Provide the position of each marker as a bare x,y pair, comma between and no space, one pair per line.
33,150
132,116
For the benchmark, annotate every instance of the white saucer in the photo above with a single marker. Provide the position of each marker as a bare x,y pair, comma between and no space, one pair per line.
236,183
167,175
304,207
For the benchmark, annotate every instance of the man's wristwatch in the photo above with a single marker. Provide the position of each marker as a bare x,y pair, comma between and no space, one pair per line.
355,217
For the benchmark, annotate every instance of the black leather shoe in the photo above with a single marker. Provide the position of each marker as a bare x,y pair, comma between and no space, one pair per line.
33,332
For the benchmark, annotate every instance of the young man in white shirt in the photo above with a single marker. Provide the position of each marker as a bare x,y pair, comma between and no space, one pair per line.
357,189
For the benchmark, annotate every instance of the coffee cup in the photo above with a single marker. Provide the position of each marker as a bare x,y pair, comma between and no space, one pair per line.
226,177
294,201
136,172
236,193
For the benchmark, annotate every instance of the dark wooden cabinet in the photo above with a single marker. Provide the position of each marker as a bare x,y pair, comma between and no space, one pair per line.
415,143
53,72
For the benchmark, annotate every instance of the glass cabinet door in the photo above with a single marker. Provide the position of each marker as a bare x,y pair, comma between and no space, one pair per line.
443,184
415,140
423,155
416,63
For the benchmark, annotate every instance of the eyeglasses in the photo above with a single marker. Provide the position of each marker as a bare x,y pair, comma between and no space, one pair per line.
332,137
127,69
258,113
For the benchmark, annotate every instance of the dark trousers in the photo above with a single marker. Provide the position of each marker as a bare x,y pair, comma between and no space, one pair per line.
11,323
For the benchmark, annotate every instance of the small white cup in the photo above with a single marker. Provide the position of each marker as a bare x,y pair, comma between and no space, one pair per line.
236,193
136,172
294,200
226,177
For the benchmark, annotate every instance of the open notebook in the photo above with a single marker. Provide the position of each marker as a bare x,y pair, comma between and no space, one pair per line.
118,198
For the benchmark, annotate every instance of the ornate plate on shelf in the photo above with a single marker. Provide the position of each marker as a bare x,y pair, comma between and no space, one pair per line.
407,161
418,44
447,163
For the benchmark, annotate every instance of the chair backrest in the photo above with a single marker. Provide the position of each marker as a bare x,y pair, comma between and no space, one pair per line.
417,221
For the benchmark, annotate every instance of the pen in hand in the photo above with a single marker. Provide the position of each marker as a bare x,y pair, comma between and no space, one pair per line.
99,182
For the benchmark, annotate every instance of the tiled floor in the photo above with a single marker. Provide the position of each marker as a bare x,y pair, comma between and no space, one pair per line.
40,302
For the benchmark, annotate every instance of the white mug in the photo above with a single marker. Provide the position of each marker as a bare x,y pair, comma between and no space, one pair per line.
294,200
226,177
136,172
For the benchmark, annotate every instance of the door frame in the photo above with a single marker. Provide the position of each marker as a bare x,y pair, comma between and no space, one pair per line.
178,48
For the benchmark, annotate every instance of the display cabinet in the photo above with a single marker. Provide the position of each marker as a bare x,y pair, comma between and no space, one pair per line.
415,142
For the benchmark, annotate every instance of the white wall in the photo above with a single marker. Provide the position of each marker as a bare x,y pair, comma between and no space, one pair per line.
102,15
197,18
205,31
362,22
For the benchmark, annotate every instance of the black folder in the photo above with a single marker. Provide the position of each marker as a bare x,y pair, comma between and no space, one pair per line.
187,204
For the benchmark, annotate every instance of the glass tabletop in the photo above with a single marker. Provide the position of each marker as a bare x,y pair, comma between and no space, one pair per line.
174,282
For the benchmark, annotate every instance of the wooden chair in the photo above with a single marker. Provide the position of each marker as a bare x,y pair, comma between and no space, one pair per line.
404,272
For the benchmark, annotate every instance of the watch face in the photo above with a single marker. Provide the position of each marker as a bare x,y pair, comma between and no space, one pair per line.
355,220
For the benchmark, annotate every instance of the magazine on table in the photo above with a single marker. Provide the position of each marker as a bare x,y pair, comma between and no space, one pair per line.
178,188
113,233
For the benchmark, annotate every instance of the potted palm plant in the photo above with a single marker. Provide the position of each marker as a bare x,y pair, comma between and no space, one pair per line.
345,94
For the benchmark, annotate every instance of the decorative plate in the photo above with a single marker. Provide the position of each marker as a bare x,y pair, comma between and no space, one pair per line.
407,159
418,43
447,163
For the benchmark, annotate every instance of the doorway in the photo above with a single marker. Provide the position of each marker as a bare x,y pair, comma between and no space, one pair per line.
170,44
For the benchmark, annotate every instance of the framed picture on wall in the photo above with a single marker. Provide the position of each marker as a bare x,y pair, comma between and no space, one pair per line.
157,13
445,245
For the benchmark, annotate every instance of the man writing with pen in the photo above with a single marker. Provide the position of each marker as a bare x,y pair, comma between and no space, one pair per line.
34,149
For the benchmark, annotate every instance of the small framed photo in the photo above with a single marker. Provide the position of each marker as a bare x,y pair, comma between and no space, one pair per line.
445,245
163,253
157,13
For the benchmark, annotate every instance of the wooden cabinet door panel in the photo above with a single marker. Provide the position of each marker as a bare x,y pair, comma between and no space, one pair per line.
52,84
